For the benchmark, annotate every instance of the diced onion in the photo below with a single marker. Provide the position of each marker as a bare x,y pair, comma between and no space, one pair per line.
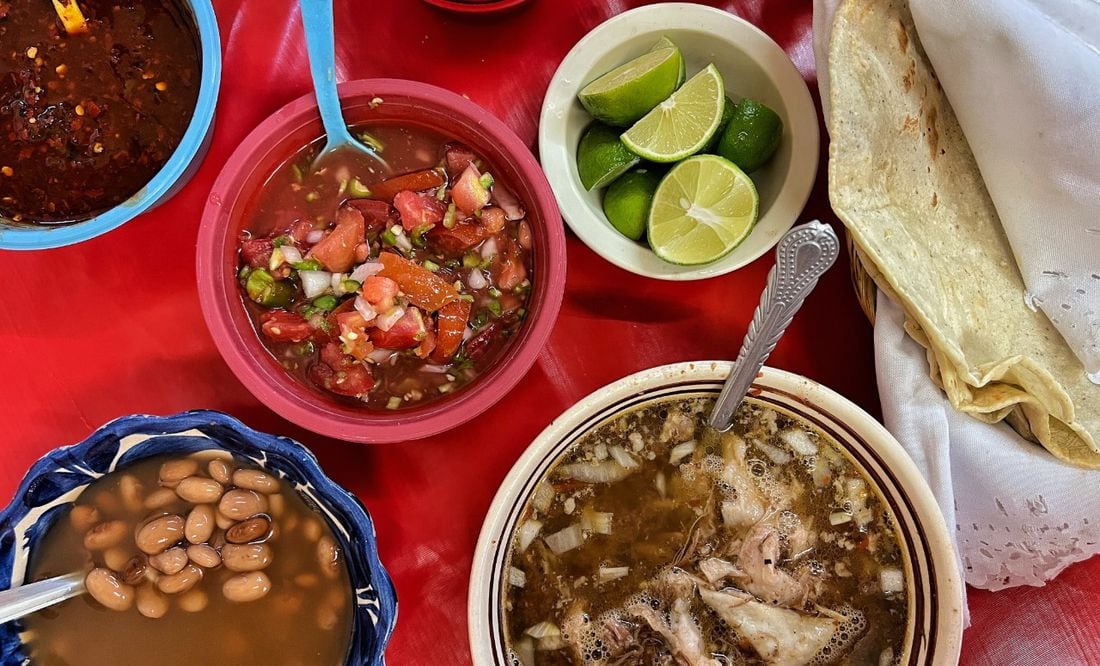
543,630
504,198
517,577
681,451
337,280
892,580
597,521
527,533
565,540
364,271
601,451
605,472
799,441
401,240
544,497
524,649
477,279
489,248
622,457
551,643
364,308
839,518
774,453
434,369
569,505
315,283
608,574
315,236
662,487
387,320
467,333
291,254
380,355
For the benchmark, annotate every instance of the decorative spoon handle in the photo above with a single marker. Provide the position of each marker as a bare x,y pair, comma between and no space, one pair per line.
26,599
802,256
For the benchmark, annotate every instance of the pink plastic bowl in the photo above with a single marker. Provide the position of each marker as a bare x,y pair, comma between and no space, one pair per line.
274,141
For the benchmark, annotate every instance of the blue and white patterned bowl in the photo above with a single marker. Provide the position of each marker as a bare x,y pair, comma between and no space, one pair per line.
60,476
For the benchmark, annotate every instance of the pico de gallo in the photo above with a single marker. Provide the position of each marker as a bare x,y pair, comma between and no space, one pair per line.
387,290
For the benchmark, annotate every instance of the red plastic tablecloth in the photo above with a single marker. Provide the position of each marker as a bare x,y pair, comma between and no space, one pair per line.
113,326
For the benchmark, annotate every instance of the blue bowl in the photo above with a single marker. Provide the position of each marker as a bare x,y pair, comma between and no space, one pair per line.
53,482
183,164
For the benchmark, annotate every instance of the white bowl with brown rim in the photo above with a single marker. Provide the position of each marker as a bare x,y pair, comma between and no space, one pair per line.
936,595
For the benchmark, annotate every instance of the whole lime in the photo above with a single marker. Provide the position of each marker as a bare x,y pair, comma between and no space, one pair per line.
626,202
752,135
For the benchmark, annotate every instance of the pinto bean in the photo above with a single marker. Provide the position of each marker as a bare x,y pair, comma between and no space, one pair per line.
246,587
115,558
180,582
83,516
161,498
160,533
193,601
133,571
278,504
170,562
132,492
222,521
108,590
246,557
306,580
220,471
312,529
200,524
240,503
199,490
174,471
203,555
254,479
327,617
150,602
252,529
328,557
105,535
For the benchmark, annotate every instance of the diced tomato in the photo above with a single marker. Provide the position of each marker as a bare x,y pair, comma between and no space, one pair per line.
458,156
423,287
340,373
418,210
256,252
507,267
468,193
336,251
377,214
493,219
349,215
379,292
509,302
285,326
458,239
427,345
417,181
407,332
300,230
353,334
452,324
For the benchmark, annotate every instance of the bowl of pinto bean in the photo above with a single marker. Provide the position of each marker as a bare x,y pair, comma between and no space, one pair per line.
387,298
198,540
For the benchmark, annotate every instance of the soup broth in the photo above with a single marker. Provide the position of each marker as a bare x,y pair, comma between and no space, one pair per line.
658,540
284,596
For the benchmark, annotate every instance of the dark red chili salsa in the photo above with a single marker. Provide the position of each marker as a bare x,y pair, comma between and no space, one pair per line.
87,120
388,290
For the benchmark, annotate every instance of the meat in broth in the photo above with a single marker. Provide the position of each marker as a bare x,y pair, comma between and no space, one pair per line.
657,540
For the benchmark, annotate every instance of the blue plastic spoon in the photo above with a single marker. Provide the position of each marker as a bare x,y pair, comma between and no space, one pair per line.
321,46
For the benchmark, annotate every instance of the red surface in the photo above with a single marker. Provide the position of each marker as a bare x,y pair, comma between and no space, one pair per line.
112,326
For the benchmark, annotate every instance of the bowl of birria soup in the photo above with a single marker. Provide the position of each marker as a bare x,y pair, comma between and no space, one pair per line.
382,300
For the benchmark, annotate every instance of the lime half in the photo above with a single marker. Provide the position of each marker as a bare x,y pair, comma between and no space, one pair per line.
684,123
601,157
703,208
629,91
666,43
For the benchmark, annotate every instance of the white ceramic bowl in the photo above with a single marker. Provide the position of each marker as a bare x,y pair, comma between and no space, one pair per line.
752,66
935,605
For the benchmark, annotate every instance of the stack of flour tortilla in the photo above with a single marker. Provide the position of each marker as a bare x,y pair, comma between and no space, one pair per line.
903,180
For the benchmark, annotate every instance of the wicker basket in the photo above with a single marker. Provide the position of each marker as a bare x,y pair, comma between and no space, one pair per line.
866,291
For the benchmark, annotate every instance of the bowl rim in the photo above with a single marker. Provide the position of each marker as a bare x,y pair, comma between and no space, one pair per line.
594,231
476,8
191,423
277,391
947,600
195,139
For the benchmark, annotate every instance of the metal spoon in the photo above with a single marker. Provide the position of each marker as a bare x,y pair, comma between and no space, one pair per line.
802,256
321,45
26,599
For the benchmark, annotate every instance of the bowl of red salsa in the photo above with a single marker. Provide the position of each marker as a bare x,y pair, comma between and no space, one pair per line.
103,115
385,300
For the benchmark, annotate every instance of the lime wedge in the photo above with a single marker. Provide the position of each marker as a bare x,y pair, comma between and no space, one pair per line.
703,208
684,123
629,91
601,157
666,43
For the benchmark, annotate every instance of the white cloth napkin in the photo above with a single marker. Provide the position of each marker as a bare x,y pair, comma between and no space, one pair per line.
1022,76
